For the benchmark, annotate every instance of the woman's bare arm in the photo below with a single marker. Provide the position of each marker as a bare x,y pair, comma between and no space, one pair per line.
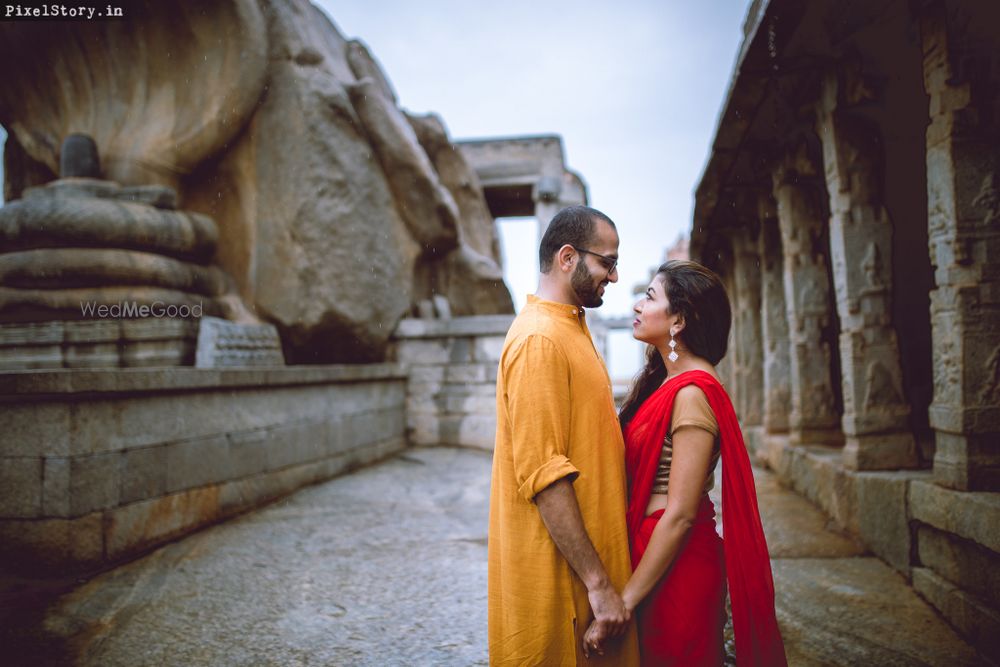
692,456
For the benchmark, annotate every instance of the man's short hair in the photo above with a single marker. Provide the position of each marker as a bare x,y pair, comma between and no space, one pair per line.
574,226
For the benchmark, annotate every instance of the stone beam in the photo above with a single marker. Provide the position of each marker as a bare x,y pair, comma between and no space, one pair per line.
525,176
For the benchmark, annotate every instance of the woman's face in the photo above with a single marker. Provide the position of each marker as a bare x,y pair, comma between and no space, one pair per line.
652,321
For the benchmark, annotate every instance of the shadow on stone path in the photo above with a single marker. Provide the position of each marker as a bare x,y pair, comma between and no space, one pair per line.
387,566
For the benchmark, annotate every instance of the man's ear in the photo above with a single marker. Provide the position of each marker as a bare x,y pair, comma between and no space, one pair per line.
566,257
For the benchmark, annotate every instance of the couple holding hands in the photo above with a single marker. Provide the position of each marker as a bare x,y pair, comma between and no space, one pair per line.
602,540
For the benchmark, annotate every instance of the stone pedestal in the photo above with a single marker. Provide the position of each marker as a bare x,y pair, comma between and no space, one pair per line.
798,192
963,175
747,352
774,321
876,413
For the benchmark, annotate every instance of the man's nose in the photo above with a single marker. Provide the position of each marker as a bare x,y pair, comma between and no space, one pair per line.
613,276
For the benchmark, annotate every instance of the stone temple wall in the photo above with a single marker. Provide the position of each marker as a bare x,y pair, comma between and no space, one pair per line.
98,466
451,390
852,203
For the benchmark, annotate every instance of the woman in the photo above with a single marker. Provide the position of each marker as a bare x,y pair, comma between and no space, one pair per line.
678,422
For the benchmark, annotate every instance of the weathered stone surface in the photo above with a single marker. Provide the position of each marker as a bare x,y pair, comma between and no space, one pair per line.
488,349
194,463
323,577
26,384
468,430
137,526
53,544
793,526
94,482
184,603
153,138
480,325
222,343
964,243
470,277
55,487
303,208
424,203
773,321
20,487
813,417
95,267
883,515
748,371
876,413
858,611
962,562
153,341
67,302
61,221
144,473
79,157
364,65
974,516
979,623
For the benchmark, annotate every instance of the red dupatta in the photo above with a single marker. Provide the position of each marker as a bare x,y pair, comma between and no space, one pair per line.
748,567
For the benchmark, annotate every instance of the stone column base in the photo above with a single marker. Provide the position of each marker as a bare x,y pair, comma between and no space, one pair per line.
882,451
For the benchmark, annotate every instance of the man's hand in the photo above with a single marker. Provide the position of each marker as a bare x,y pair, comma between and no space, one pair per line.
609,609
611,618
593,639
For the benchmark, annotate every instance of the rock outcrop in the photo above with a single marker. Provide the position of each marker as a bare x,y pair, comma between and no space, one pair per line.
336,214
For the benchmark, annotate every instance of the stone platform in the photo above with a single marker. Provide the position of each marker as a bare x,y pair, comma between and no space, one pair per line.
98,466
387,566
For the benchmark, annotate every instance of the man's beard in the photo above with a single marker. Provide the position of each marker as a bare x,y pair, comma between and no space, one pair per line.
583,285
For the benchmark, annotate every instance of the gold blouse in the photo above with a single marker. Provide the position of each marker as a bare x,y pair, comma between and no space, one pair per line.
691,408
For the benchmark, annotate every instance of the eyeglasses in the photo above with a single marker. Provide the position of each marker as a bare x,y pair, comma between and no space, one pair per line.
609,263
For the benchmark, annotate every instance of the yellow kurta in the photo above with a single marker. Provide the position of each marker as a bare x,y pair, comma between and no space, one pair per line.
555,418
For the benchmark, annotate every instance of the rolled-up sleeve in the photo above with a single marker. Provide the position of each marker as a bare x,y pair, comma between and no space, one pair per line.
538,399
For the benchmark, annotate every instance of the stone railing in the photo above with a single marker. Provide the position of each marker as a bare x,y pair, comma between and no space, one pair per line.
97,466
452,366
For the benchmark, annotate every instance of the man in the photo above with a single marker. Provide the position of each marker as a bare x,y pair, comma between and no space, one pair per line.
558,544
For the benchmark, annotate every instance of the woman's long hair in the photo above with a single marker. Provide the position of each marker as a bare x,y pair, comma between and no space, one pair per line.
697,294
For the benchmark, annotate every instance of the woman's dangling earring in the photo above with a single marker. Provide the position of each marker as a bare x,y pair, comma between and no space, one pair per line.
673,354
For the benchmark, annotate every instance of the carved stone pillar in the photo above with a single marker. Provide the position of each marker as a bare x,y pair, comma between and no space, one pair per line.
718,257
798,192
876,413
747,353
773,321
963,199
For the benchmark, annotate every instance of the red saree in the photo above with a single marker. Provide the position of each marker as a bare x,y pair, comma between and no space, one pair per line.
747,565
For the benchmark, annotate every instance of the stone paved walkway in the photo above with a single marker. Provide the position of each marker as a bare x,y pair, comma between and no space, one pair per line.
387,566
